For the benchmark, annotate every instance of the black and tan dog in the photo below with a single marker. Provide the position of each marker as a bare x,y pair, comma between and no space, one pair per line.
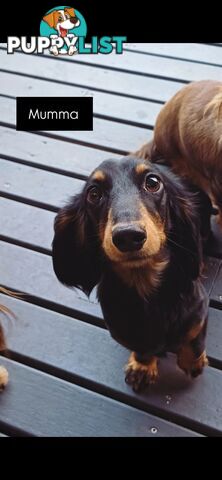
135,232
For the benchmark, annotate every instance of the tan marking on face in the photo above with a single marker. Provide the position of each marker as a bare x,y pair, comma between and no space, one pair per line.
99,175
144,277
155,232
150,367
141,168
155,238
144,272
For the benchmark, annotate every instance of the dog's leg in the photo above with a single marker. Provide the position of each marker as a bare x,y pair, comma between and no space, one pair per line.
54,50
3,371
141,370
191,356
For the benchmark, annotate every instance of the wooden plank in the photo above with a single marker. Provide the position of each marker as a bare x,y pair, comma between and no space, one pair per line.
32,272
215,244
186,51
150,65
38,404
35,327
49,153
216,293
214,333
109,106
92,78
90,356
209,275
39,186
108,135
26,224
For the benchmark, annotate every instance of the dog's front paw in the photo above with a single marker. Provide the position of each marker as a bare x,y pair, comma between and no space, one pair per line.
139,375
3,377
190,365
54,50
72,49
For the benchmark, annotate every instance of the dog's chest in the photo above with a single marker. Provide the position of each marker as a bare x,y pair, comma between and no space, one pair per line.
138,324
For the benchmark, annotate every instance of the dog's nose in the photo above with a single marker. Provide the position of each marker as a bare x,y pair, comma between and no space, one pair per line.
129,238
74,20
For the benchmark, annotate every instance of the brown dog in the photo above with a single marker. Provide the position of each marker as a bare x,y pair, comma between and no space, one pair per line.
188,135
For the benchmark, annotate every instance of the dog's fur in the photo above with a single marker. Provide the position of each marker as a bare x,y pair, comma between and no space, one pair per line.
3,371
188,135
152,298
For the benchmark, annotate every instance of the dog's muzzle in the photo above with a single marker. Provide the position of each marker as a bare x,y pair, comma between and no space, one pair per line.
74,20
129,238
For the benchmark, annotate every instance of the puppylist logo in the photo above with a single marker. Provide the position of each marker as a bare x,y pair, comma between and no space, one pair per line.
63,31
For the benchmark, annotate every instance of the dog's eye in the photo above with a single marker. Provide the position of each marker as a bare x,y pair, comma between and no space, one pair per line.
152,183
67,16
94,195
60,19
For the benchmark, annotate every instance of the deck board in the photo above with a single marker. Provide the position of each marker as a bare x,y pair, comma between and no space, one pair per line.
209,54
167,68
36,150
105,133
129,84
39,404
144,112
191,402
66,372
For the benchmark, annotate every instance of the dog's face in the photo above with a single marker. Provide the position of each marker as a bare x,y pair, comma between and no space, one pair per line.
128,213
126,202
62,20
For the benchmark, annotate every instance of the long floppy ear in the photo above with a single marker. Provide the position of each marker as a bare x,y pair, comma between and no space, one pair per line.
70,11
49,19
75,248
184,228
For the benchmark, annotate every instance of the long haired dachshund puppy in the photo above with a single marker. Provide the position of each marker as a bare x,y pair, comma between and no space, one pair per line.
135,232
188,134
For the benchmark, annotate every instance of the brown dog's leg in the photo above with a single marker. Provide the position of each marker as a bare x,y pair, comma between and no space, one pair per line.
3,371
191,356
141,370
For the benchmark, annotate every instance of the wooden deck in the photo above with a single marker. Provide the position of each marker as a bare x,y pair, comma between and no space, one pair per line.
66,373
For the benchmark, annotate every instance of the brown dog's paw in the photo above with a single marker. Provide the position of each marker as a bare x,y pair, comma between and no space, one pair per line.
139,375
190,365
3,377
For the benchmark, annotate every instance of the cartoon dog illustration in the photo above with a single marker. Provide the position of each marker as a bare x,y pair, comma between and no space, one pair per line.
62,21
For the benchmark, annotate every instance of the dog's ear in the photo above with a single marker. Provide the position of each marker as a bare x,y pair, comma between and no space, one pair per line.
70,11
49,19
184,229
75,248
